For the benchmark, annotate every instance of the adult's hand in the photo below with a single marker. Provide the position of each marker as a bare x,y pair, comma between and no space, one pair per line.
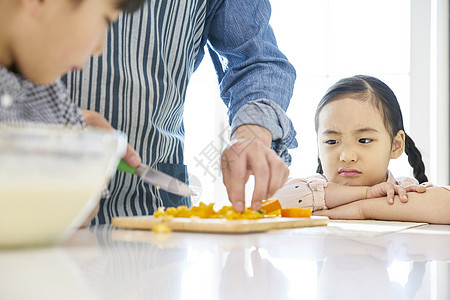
94,119
249,153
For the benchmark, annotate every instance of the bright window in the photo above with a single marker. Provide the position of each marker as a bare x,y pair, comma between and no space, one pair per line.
325,40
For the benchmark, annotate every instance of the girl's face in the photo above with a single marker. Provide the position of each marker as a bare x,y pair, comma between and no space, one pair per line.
354,145
57,36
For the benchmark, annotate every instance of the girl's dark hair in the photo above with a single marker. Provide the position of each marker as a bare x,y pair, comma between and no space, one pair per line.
361,87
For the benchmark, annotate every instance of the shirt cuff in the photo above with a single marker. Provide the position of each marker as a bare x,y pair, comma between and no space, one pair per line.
303,193
266,113
317,184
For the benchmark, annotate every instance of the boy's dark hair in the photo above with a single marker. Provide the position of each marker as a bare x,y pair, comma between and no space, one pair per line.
361,87
129,6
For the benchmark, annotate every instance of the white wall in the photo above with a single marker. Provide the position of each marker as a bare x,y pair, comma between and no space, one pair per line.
429,108
402,42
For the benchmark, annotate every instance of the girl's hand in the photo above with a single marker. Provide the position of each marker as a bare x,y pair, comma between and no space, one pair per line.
418,188
389,190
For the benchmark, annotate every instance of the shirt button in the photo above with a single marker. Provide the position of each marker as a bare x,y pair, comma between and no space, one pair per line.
6,101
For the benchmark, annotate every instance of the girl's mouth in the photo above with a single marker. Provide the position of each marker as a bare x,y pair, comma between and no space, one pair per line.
349,172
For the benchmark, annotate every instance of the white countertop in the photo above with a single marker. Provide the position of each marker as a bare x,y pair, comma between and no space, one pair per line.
307,263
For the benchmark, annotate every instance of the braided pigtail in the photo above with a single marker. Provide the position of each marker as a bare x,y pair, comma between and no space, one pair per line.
319,167
415,159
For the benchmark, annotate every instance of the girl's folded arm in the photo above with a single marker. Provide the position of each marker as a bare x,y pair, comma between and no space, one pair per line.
338,194
430,207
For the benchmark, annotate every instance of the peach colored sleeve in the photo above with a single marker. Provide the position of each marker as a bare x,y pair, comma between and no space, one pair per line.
406,181
303,192
317,183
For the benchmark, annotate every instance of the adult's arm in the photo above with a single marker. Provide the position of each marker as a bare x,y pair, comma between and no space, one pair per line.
256,83
256,79
433,206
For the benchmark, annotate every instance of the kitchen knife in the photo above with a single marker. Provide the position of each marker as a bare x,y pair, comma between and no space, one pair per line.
157,178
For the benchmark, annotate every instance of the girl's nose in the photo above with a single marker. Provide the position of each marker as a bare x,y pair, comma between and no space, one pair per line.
348,156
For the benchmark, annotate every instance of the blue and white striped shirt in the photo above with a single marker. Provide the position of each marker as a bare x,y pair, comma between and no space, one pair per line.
139,85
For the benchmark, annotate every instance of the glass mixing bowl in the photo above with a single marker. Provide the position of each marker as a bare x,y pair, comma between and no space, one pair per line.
51,179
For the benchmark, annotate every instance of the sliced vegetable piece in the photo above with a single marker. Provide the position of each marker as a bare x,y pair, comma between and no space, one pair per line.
270,205
275,213
295,212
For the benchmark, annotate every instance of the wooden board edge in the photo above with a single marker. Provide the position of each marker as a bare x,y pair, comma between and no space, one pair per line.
148,223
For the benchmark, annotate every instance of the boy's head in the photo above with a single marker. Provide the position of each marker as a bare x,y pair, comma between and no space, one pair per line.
45,39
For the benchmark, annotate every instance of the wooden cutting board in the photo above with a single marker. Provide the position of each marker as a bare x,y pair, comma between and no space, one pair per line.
219,225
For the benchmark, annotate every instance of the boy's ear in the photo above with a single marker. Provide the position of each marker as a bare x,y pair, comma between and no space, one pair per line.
398,144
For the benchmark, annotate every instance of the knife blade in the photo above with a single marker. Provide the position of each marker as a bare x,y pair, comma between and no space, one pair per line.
157,178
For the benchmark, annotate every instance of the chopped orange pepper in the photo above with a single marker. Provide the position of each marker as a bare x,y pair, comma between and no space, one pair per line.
270,205
275,213
295,212
206,211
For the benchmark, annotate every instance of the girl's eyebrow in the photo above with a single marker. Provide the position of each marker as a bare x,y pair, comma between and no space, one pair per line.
366,129
361,130
330,131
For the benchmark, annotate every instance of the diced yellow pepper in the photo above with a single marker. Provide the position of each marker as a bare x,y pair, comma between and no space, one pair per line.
171,211
207,211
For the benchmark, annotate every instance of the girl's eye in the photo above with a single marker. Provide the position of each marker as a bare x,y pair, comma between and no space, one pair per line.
331,142
365,141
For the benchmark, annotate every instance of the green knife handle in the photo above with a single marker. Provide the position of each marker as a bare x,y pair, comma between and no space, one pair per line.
124,167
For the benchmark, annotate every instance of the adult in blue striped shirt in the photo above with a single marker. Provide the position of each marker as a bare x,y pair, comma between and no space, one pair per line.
139,86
